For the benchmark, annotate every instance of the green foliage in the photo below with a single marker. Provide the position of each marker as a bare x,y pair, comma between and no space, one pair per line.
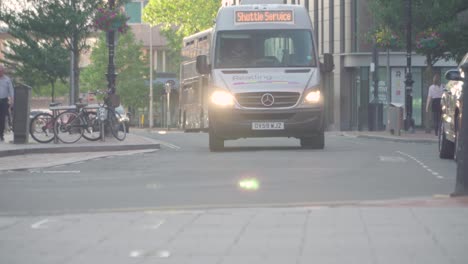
131,66
36,60
64,23
180,18
438,15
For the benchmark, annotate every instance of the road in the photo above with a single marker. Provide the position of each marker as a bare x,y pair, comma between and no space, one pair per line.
250,173
261,201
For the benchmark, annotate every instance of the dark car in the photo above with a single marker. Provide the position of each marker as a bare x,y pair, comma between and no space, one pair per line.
451,112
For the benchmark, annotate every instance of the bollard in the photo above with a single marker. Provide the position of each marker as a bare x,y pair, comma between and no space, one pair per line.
22,104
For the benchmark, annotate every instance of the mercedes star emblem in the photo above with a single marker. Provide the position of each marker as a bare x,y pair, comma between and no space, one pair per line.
268,99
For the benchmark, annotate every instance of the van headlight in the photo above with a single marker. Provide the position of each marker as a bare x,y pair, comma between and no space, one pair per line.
313,97
222,98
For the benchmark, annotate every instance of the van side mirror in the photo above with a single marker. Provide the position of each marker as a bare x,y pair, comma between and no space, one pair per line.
202,64
327,65
453,75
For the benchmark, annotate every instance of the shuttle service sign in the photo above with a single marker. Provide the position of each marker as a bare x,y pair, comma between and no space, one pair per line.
263,16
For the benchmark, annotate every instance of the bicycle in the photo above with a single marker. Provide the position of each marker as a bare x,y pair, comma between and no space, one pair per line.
41,126
69,127
108,117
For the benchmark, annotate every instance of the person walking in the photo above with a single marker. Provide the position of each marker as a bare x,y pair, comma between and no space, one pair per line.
436,90
6,99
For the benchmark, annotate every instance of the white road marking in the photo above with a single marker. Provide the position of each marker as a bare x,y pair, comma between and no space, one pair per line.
392,159
156,226
62,172
434,173
440,177
169,145
163,254
40,224
136,253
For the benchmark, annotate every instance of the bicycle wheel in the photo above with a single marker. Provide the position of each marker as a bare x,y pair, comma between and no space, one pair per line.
92,131
41,128
68,127
117,127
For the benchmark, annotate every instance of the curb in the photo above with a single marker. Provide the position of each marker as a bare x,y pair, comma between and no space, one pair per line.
146,144
393,139
77,149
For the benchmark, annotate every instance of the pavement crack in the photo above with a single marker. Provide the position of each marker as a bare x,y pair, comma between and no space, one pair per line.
305,228
237,238
433,237
369,238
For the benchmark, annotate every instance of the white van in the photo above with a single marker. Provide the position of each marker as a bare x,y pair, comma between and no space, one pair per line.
263,76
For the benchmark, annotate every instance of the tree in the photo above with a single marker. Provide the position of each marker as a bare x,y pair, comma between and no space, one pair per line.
180,18
131,67
68,22
434,23
36,60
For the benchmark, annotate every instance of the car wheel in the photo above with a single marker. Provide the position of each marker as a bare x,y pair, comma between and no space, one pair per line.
446,147
315,142
216,143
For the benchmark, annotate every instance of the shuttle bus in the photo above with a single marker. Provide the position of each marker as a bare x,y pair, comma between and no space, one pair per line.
256,73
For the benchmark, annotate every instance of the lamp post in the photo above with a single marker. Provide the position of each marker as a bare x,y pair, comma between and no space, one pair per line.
461,187
151,78
111,75
409,123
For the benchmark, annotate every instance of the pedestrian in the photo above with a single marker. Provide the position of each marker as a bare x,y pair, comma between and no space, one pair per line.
6,99
436,90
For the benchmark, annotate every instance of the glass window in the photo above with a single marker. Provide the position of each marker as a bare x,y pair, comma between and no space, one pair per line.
265,48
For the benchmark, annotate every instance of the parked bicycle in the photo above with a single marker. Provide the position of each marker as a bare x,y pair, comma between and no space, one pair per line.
69,127
41,126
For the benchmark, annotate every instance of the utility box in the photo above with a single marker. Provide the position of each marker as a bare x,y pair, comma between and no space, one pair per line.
395,119
22,104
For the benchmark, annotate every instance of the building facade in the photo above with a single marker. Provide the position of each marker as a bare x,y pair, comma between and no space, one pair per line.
340,28
150,36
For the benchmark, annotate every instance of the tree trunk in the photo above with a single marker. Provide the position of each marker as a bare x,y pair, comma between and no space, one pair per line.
52,83
427,116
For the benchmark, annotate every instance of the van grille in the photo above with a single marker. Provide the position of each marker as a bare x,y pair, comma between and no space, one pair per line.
254,100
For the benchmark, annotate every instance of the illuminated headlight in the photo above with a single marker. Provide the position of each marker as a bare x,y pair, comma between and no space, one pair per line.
222,98
313,97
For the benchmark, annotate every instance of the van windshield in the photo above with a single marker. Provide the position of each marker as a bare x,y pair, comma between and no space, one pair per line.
264,48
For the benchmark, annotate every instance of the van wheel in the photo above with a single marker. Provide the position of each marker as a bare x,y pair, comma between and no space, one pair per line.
315,142
216,143
446,147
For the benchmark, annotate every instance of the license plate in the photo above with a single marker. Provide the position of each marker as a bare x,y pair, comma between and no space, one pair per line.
267,126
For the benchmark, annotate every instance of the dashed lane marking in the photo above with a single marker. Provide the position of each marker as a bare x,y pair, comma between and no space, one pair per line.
169,145
392,159
424,166
41,224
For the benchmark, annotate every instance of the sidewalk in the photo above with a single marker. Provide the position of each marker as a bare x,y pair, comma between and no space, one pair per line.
419,136
23,156
357,234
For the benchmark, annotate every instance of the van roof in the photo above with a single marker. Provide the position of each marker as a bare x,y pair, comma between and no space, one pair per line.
228,17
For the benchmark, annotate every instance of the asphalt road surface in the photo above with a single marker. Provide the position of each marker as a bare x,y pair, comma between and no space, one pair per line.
272,172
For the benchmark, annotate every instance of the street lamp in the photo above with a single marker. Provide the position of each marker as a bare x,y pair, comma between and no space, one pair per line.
111,75
409,122
151,78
